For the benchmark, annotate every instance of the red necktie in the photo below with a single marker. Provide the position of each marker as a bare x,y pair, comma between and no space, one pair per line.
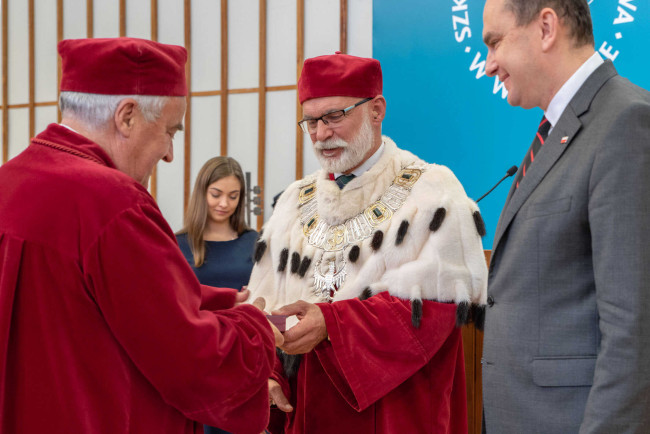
540,137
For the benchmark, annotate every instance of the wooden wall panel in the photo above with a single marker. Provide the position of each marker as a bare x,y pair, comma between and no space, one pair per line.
79,18
122,17
473,348
90,19
154,20
469,346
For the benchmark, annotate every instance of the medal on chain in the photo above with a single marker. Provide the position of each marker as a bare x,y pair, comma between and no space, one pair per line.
336,238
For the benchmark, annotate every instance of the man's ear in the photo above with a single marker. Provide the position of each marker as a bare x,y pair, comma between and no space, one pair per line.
549,24
378,109
125,116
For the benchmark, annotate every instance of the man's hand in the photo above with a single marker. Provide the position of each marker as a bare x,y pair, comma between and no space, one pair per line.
242,296
276,397
310,330
260,303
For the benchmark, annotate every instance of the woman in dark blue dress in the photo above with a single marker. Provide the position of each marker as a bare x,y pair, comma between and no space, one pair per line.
216,241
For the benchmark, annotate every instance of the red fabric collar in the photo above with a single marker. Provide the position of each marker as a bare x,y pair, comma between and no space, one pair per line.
331,175
61,138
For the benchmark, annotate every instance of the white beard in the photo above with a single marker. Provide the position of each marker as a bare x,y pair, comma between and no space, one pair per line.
353,152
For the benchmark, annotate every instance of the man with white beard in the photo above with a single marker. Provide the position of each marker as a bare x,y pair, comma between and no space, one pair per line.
377,260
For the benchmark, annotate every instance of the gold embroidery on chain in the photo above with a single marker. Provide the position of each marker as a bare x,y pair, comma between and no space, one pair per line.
335,238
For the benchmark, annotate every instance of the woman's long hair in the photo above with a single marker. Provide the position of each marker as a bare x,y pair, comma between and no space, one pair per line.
196,216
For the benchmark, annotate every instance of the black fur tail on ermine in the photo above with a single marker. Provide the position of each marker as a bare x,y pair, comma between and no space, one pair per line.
290,362
416,313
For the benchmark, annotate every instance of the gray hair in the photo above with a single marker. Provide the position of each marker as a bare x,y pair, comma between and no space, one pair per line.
96,110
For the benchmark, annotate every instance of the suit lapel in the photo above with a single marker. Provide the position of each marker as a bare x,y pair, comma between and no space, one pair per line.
565,131
550,152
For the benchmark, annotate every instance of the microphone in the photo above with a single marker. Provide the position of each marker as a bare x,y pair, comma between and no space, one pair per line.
509,173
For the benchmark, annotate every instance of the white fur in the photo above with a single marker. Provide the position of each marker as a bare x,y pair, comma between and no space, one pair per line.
447,265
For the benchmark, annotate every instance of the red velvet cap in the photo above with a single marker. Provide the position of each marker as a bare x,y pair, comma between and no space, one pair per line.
122,66
339,75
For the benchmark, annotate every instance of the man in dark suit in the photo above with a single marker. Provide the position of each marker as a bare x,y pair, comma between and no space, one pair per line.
567,332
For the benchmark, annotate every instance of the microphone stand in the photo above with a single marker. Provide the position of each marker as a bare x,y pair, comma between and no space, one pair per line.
509,173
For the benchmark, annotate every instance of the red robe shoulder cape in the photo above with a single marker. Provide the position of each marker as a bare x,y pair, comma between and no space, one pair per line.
103,326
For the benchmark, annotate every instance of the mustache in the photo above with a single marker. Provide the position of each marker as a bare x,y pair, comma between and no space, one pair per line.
330,144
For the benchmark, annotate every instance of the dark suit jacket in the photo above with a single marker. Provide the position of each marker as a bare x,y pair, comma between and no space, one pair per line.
567,335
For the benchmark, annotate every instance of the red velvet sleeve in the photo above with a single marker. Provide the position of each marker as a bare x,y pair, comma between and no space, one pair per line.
213,366
380,329
217,298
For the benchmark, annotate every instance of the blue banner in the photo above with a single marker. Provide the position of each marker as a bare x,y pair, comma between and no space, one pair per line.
442,106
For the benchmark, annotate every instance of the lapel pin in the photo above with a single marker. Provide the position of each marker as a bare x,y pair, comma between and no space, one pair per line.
564,139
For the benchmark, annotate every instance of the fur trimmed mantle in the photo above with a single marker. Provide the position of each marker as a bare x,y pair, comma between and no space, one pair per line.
429,248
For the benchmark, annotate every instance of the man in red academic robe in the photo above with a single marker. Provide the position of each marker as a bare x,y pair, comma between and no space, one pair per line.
379,256
103,325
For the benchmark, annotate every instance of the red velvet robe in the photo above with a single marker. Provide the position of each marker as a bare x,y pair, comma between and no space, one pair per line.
103,326
379,374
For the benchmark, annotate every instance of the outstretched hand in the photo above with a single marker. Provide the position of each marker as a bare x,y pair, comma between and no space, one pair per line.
242,296
277,397
260,303
310,330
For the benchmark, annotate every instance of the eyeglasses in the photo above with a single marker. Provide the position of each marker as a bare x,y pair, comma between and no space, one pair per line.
310,125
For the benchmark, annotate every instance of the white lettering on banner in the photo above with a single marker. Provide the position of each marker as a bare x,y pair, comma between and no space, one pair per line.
623,15
478,65
464,32
628,4
460,6
498,85
463,21
606,51
460,20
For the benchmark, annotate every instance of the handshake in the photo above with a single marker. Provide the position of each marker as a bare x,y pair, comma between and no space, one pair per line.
302,337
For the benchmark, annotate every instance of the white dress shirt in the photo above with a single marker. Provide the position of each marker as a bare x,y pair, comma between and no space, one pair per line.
570,88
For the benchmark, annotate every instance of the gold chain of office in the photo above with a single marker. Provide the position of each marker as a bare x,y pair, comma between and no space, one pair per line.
332,238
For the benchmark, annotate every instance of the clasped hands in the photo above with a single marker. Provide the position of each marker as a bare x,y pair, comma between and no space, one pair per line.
310,330
301,338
